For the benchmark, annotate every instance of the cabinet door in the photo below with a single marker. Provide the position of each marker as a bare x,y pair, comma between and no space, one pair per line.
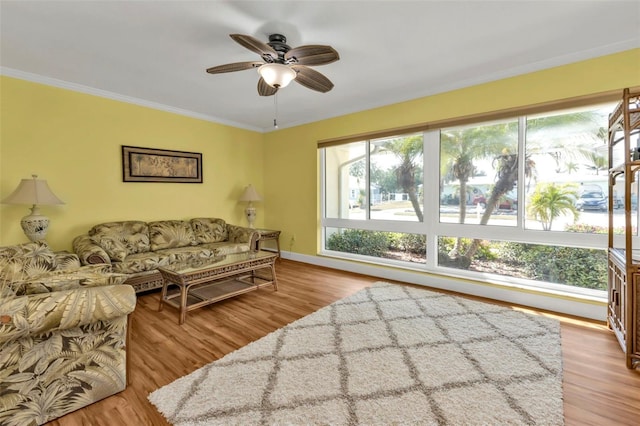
634,319
617,298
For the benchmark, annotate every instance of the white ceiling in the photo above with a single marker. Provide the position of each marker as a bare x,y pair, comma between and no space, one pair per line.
155,52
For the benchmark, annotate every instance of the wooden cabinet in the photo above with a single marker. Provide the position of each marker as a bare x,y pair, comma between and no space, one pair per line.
623,313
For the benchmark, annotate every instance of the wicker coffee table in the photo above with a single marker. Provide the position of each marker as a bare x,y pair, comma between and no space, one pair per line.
207,281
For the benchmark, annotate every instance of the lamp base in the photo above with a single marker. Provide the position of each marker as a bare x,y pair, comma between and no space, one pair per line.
251,215
35,225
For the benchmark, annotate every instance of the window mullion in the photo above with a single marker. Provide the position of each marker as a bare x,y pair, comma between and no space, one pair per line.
431,192
367,179
521,185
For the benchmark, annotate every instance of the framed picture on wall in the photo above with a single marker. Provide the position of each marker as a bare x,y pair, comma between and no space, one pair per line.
160,165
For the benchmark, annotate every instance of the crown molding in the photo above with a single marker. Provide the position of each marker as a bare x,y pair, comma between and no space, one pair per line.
61,84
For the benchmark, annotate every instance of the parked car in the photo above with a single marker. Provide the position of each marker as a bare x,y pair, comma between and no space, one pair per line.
592,201
505,203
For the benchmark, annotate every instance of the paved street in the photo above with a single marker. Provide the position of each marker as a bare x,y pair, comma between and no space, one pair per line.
504,218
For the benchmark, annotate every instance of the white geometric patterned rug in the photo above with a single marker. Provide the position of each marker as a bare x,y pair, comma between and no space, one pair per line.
388,354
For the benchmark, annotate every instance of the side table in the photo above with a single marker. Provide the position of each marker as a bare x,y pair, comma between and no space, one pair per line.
268,234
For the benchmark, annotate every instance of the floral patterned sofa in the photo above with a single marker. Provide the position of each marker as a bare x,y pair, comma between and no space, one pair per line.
63,333
138,248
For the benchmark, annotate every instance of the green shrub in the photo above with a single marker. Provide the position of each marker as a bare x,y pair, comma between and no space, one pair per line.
485,250
582,227
558,264
411,243
359,241
445,244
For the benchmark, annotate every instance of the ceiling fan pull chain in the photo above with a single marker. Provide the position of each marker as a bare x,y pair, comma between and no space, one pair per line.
275,104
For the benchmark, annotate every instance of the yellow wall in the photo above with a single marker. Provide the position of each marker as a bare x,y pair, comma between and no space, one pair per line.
291,157
73,140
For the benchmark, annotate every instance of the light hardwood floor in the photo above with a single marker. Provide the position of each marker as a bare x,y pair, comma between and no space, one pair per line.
598,388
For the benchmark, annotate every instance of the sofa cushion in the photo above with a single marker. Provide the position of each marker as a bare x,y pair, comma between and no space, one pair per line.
141,262
120,239
227,248
166,234
209,230
185,254
21,261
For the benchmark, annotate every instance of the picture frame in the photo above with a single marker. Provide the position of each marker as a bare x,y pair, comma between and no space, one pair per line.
141,164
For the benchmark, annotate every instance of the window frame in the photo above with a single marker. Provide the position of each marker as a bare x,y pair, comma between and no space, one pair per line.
432,228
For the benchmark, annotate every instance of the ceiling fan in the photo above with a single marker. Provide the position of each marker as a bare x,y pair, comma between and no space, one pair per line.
281,63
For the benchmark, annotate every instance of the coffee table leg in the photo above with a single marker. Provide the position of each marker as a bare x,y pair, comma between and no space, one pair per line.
273,275
183,304
163,294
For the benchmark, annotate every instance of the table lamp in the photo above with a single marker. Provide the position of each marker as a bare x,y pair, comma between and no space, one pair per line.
37,193
250,195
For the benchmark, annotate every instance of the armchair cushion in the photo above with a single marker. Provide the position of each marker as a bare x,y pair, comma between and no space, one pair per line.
23,261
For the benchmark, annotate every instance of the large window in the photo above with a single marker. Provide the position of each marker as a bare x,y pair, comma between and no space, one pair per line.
523,197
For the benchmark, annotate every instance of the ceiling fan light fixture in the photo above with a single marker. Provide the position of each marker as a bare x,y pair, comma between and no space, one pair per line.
277,75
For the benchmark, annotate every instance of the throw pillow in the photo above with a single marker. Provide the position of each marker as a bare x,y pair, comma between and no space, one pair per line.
166,234
209,230
112,245
132,236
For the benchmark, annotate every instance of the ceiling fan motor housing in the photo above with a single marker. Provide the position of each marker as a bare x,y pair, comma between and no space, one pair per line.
279,44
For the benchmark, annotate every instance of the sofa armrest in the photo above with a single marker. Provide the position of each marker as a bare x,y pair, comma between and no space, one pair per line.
68,279
62,310
89,252
241,234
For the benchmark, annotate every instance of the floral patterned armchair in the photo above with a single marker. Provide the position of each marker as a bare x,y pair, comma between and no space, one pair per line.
63,333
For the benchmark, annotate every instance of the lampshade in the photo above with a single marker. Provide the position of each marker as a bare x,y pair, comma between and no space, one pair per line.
250,194
277,75
35,192
32,191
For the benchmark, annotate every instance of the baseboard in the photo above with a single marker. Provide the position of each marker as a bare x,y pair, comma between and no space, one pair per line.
567,304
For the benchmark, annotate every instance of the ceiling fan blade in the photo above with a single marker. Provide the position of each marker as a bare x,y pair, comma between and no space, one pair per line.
264,89
254,45
236,66
312,55
312,79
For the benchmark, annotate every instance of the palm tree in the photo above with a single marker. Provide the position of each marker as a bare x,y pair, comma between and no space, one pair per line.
408,149
571,167
506,166
461,147
596,160
507,163
550,201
